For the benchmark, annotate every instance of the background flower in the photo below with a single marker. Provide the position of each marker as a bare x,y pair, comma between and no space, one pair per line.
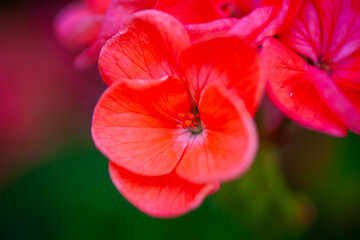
313,71
252,20
78,24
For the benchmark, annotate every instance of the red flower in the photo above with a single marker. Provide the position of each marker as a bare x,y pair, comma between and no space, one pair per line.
78,25
314,68
175,120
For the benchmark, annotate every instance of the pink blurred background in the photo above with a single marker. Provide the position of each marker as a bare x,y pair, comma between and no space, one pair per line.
43,99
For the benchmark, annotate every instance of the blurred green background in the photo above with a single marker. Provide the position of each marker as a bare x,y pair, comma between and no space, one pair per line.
54,184
70,196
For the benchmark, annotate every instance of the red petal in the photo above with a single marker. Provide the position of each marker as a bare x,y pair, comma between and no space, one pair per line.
204,31
138,127
353,95
227,146
347,71
161,196
290,89
287,13
251,25
336,100
147,47
226,61
189,11
77,26
325,28
98,6
340,25
304,35
118,12
273,17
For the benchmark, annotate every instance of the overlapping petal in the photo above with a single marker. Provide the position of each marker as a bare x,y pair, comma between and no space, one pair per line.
98,6
251,20
353,95
226,61
116,15
160,196
269,18
189,11
304,35
347,71
291,89
205,31
288,12
147,47
335,99
139,129
340,25
228,143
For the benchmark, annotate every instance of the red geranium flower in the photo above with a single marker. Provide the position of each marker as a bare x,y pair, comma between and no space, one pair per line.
176,119
314,68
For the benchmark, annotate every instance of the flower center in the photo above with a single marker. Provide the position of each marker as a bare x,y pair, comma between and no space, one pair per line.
326,63
190,121
230,10
236,8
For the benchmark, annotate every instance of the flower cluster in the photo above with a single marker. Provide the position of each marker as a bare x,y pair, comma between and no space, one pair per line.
185,79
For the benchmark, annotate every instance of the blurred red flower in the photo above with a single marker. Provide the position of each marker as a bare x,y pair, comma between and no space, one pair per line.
314,68
79,25
90,23
176,118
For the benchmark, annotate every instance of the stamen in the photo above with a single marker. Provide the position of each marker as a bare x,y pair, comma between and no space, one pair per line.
190,121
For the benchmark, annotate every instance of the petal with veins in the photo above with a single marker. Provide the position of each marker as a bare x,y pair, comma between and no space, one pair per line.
116,15
304,34
229,62
147,47
160,196
138,129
